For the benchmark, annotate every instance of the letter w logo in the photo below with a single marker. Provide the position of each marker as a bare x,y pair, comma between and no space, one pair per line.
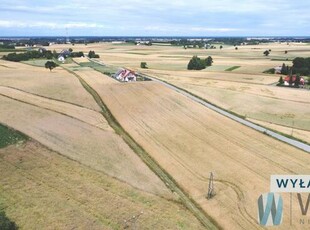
270,209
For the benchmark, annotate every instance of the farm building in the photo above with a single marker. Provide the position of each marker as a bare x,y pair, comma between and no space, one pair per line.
61,58
287,80
277,69
125,75
65,53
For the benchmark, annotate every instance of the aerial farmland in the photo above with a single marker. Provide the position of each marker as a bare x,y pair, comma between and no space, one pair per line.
101,153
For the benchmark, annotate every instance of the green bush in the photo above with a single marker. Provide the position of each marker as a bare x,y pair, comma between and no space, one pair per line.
92,54
143,65
197,63
9,136
6,223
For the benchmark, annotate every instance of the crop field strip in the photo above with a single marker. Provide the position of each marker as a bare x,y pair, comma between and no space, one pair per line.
58,84
80,113
151,163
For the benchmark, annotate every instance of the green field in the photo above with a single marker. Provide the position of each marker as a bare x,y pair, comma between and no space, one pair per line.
232,68
36,62
103,69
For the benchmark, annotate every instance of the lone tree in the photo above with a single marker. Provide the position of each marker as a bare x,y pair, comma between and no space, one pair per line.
290,82
281,81
266,53
50,65
208,61
221,47
297,81
92,54
284,69
143,65
236,48
285,51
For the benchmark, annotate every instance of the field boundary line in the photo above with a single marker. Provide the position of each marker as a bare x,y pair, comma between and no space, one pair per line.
52,110
50,98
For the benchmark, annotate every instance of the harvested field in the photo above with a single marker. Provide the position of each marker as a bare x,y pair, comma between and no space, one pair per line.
189,141
297,133
282,106
86,115
100,149
42,188
58,84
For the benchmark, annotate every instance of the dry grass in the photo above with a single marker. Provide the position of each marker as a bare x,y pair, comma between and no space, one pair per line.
297,133
188,140
58,84
99,149
88,116
42,189
282,106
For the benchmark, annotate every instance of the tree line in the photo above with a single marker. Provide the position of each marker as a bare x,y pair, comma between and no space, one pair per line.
34,54
17,57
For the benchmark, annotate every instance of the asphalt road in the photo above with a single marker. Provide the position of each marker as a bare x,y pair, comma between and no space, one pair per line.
280,137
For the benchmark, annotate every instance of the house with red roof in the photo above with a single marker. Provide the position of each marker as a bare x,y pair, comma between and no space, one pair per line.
125,75
287,80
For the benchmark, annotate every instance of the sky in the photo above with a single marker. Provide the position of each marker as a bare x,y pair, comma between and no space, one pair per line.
155,18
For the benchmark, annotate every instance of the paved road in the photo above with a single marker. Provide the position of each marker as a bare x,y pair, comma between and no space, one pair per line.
280,137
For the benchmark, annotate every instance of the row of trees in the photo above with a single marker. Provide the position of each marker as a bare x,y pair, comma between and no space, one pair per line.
197,63
7,46
17,57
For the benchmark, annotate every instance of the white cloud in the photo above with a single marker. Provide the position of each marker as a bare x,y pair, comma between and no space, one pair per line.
173,17
51,25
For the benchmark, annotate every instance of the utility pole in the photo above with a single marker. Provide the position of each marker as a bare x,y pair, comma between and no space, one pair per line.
211,187
67,36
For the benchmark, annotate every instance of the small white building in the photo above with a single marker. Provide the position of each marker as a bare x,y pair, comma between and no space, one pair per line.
277,69
61,58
